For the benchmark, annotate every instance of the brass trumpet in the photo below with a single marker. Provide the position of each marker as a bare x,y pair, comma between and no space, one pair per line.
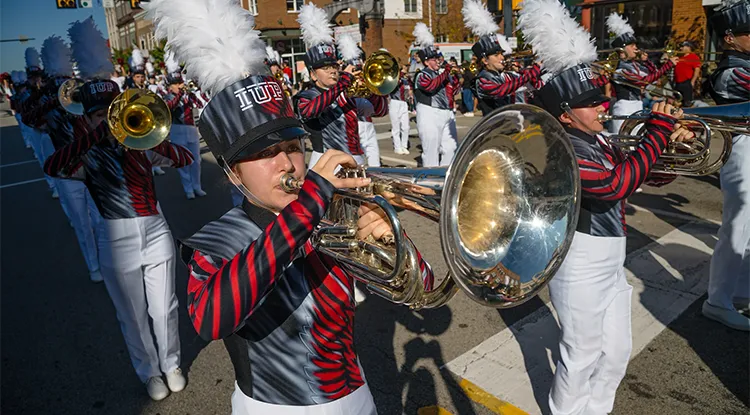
608,67
380,75
67,95
139,119
465,67
713,128
506,209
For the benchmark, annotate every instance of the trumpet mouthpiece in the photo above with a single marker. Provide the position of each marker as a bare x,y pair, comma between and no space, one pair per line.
290,184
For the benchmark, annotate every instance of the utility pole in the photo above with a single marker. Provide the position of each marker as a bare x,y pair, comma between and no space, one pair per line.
508,18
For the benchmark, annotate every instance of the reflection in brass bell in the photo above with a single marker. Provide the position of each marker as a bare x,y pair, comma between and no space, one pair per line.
139,119
66,94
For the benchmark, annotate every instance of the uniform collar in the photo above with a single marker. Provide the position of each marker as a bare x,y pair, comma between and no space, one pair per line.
261,217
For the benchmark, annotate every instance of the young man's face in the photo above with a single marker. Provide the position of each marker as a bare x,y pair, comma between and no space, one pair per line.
630,51
262,173
432,63
584,119
139,79
96,117
275,69
686,49
326,76
739,42
494,62
175,88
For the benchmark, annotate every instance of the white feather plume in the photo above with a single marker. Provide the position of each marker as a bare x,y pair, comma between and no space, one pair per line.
214,38
313,22
347,48
478,19
422,35
149,68
14,77
136,59
90,51
555,37
171,63
32,58
56,57
618,25
503,42
725,4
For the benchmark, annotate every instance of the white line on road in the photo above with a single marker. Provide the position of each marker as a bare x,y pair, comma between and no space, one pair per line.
18,164
667,276
21,183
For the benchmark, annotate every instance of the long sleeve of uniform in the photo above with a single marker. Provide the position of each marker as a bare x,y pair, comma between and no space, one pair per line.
173,100
739,82
625,177
430,84
652,74
65,161
379,105
177,155
487,86
312,108
222,294
34,116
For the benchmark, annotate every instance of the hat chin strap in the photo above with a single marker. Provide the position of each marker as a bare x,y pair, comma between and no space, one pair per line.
241,187
565,107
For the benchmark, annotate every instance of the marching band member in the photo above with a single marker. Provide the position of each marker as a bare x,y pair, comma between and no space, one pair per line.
272,61
630,69
729,281
494,88
433,91
19,91
137,72
398,109
329,115
31,113
184,132
351,54
74,197
136,251
590,292
285,312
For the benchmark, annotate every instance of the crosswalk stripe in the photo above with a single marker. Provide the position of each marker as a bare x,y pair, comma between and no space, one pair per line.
667,276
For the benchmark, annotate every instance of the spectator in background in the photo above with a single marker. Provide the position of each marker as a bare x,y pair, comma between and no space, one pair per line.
287,70
687,72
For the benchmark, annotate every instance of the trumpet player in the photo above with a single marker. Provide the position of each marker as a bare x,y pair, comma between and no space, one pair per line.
729,282
434,88
494,87
632,73
590,292
273,60
329,115
284,311
136,251
181,103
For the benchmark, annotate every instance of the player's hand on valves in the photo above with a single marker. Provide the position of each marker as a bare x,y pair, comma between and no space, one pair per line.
681,134
665,108
373,222
328,165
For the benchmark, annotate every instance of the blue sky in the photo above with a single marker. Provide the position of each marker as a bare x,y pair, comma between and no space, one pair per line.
38,19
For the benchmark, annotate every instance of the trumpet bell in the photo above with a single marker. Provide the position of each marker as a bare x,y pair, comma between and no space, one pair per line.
509,206
380,73
66,96
139,119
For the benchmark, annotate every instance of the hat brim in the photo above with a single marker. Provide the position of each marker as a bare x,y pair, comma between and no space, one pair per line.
251,149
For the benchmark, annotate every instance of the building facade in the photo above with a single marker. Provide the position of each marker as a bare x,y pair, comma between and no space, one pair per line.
127,26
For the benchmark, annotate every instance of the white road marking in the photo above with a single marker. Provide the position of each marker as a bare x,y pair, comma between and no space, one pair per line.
667,276
399,161
18,164
21,183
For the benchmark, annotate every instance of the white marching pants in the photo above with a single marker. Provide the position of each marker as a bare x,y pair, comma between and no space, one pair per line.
137,261
592,300
437,132
358,402
369,142
84,216
730,263
43,148
315,156
24,130
399,113
623,107
188,137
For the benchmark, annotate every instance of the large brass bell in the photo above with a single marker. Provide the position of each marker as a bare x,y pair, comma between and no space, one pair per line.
380,75
66,94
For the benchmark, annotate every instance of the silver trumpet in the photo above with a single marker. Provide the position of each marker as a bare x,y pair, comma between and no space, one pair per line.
713,127
506,210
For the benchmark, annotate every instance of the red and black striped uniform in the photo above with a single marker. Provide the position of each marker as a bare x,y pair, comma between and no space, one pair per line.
181,105
119,180
608,176
330,116
639,73
285,312
496,89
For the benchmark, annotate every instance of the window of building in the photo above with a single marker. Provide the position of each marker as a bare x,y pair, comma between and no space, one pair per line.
441,6
410,6
440,38
651,21
252,6
294,5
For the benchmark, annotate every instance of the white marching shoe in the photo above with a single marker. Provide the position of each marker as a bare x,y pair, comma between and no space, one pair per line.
96,276
156,388
200,192
730,318
176,380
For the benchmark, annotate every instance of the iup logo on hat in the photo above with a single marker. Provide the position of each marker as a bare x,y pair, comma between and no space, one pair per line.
326,50
585,74
260,93
101,87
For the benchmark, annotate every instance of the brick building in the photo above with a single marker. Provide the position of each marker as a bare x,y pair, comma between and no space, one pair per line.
126,25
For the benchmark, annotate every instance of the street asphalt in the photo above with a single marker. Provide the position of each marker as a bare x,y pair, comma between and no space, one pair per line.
63,353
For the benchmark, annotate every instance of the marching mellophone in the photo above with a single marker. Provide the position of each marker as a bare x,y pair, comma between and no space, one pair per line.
379,76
